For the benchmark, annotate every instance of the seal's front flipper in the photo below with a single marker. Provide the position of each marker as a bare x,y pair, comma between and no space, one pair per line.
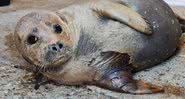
122,81
146,88
180,14
121,13
114,71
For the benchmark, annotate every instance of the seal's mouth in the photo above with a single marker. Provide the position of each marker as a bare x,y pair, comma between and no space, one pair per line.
58,61
53,61
54,66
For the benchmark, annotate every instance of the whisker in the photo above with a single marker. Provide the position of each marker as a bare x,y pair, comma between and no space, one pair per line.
41,67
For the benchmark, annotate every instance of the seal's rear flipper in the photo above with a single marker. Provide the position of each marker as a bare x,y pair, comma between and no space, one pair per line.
121,13
180,14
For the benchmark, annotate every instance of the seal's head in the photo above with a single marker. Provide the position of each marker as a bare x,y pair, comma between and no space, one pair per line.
44,39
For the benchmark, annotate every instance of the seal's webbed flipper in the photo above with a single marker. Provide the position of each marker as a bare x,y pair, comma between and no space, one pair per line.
116,74
122,81
123,14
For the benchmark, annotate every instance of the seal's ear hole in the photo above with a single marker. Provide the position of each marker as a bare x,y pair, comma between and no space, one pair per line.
32,39
57,28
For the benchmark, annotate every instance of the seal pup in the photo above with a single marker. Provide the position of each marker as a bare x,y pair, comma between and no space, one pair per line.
100,42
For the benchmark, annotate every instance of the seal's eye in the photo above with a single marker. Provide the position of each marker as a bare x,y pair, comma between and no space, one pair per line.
57,28
32,39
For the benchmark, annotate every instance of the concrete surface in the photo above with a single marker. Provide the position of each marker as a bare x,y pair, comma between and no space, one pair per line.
170,74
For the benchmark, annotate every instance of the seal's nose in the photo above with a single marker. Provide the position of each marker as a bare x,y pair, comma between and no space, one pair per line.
56,47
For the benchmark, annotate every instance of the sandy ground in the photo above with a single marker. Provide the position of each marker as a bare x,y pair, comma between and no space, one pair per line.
170,74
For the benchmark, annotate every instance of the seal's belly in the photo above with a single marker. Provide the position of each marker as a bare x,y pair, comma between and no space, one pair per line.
145,50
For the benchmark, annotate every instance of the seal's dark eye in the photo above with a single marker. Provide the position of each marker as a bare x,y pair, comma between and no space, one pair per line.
32,39
57,28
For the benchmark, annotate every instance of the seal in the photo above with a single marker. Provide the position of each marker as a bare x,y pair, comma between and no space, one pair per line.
100,43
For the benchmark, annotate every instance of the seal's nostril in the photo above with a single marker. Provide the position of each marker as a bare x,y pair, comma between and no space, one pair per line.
60,46
54,48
